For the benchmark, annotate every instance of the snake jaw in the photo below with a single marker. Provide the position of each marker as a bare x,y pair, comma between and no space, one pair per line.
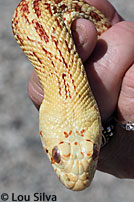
73,181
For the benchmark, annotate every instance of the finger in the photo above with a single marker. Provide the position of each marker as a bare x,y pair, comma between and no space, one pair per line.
35,90
107,9
126,99
85,37
84,32
113,55
116,157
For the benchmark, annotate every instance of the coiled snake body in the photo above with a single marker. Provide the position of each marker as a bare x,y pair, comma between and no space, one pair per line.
70,125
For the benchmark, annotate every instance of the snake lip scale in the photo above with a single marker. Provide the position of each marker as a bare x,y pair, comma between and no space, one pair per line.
70,123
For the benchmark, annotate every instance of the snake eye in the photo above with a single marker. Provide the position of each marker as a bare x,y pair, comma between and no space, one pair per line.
56,154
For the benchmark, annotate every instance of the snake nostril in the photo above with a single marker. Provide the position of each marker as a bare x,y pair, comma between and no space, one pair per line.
56,154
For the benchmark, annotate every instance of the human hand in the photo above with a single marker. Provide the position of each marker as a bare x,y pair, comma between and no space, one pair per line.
110,70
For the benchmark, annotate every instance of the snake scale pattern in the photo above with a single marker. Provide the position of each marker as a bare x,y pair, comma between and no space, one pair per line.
70,123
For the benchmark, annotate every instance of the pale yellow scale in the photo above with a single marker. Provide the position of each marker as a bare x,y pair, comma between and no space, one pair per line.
70,124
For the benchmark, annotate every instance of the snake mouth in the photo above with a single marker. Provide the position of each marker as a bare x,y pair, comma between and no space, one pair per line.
74,182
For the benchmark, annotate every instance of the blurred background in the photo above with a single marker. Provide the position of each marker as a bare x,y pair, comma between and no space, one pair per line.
24,168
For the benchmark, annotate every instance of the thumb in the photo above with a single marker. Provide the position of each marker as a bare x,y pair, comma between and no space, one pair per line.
85,37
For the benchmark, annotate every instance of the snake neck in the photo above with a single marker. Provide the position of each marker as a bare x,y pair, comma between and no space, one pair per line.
42,29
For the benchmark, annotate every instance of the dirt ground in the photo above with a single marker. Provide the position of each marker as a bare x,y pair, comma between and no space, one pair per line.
24,168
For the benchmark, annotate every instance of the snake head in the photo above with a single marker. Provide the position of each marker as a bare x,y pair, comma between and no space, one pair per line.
74,162
72,145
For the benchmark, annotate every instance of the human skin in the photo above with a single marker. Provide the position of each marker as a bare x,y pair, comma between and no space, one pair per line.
109,63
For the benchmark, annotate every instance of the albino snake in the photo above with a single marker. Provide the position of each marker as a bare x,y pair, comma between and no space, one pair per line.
70,124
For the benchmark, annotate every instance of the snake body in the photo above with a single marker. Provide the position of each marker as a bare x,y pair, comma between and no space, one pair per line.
70,124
